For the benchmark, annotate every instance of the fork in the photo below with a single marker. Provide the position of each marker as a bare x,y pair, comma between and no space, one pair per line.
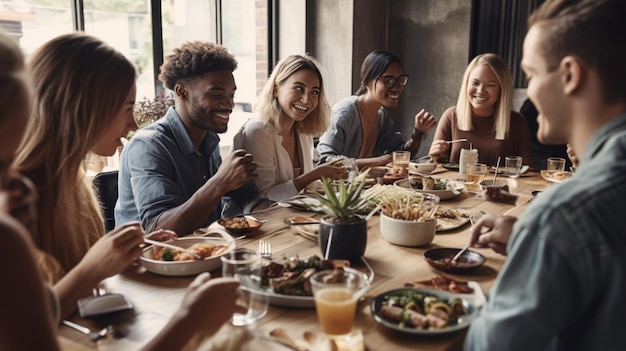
94,336
265,249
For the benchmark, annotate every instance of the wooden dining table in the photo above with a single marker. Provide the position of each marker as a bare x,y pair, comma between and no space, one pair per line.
155,298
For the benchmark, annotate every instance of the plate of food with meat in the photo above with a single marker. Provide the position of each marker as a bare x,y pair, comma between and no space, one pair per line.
422,311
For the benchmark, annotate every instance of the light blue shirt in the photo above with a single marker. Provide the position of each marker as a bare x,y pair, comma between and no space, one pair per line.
345,136
563,285
161,169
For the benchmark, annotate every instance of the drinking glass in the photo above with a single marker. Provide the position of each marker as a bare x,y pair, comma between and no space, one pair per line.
555,164
513,165
475,174
401,159
336,293
245,265
466,157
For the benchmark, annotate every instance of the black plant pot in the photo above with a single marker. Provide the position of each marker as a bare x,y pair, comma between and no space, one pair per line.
349,238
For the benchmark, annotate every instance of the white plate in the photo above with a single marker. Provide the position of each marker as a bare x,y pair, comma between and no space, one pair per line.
216,236
301,202
558,177
445,224
443,194
502,170
305,301
463,322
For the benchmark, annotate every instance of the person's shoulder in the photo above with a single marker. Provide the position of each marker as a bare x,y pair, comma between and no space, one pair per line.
448,114
517,118
347,103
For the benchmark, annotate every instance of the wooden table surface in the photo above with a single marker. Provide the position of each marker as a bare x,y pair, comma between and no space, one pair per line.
155,298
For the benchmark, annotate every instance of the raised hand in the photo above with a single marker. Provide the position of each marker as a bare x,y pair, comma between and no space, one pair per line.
438,149
424,121
237,168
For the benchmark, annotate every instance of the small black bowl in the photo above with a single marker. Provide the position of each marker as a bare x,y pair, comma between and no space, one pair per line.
240,225
537,192
440,258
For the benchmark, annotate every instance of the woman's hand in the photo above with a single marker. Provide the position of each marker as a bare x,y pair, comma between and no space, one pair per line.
332,170
209,303
497,237
115,251
424,121
438,149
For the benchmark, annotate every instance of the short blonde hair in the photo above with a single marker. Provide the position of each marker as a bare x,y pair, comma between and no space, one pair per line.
502,109
268,109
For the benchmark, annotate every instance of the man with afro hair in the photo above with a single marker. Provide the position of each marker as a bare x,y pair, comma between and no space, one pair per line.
171,173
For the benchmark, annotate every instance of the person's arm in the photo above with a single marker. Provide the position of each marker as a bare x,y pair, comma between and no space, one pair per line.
207,305
27,322
499,229
529,304
237,169
110,255
424,121
440,149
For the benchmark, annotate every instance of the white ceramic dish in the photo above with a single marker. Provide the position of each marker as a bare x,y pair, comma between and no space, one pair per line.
443,194
445,224
300,202
502,170
422,168
558,177
407,233
463,322
183,268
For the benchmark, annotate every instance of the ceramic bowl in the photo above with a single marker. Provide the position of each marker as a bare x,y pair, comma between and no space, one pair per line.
193,267
407,233
440,258
422,168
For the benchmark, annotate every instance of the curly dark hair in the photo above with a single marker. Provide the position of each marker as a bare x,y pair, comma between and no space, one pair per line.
194,58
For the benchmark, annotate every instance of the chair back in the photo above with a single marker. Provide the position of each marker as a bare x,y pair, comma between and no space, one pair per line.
105,184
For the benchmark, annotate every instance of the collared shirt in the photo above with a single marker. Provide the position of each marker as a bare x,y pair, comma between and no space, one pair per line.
564,281
161,169
345,136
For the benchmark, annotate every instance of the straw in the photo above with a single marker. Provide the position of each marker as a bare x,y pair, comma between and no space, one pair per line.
456,141
330,239
496,174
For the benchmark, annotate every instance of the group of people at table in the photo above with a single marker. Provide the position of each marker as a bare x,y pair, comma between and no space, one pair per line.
561,288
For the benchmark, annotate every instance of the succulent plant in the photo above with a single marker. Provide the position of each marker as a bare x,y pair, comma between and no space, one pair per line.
343,201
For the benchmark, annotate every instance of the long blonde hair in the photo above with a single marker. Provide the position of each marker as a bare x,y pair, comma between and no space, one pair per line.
268,109
80,84
503,105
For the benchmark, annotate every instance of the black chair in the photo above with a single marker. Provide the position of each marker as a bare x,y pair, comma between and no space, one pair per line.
105,184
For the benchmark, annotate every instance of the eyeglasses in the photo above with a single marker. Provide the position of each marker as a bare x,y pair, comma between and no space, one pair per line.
391,81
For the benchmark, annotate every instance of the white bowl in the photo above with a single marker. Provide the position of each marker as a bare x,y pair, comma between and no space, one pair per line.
216,236
422,168
407,233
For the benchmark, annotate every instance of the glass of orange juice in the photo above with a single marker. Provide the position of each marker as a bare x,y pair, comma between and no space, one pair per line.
336,293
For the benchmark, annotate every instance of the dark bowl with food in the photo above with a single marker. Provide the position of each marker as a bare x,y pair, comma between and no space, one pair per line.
441,259
240,224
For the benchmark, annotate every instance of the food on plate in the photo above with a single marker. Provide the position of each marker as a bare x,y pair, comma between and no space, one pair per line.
444,283
561,176
447,263
292,277
203,250
235,223
419,310
422,183
449,213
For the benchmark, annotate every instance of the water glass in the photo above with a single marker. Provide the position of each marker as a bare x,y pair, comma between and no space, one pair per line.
401,159
513,165
336,293
245,265
555,164
475,174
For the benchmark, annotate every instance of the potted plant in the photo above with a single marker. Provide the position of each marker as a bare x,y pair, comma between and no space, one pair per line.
342,233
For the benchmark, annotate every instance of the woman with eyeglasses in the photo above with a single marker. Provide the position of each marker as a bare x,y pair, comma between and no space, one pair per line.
483,116
361,127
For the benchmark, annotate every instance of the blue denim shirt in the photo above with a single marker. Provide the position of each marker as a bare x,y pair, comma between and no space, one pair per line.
345,136
563,285
161,169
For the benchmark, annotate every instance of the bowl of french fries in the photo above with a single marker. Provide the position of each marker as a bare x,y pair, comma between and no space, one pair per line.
409,220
